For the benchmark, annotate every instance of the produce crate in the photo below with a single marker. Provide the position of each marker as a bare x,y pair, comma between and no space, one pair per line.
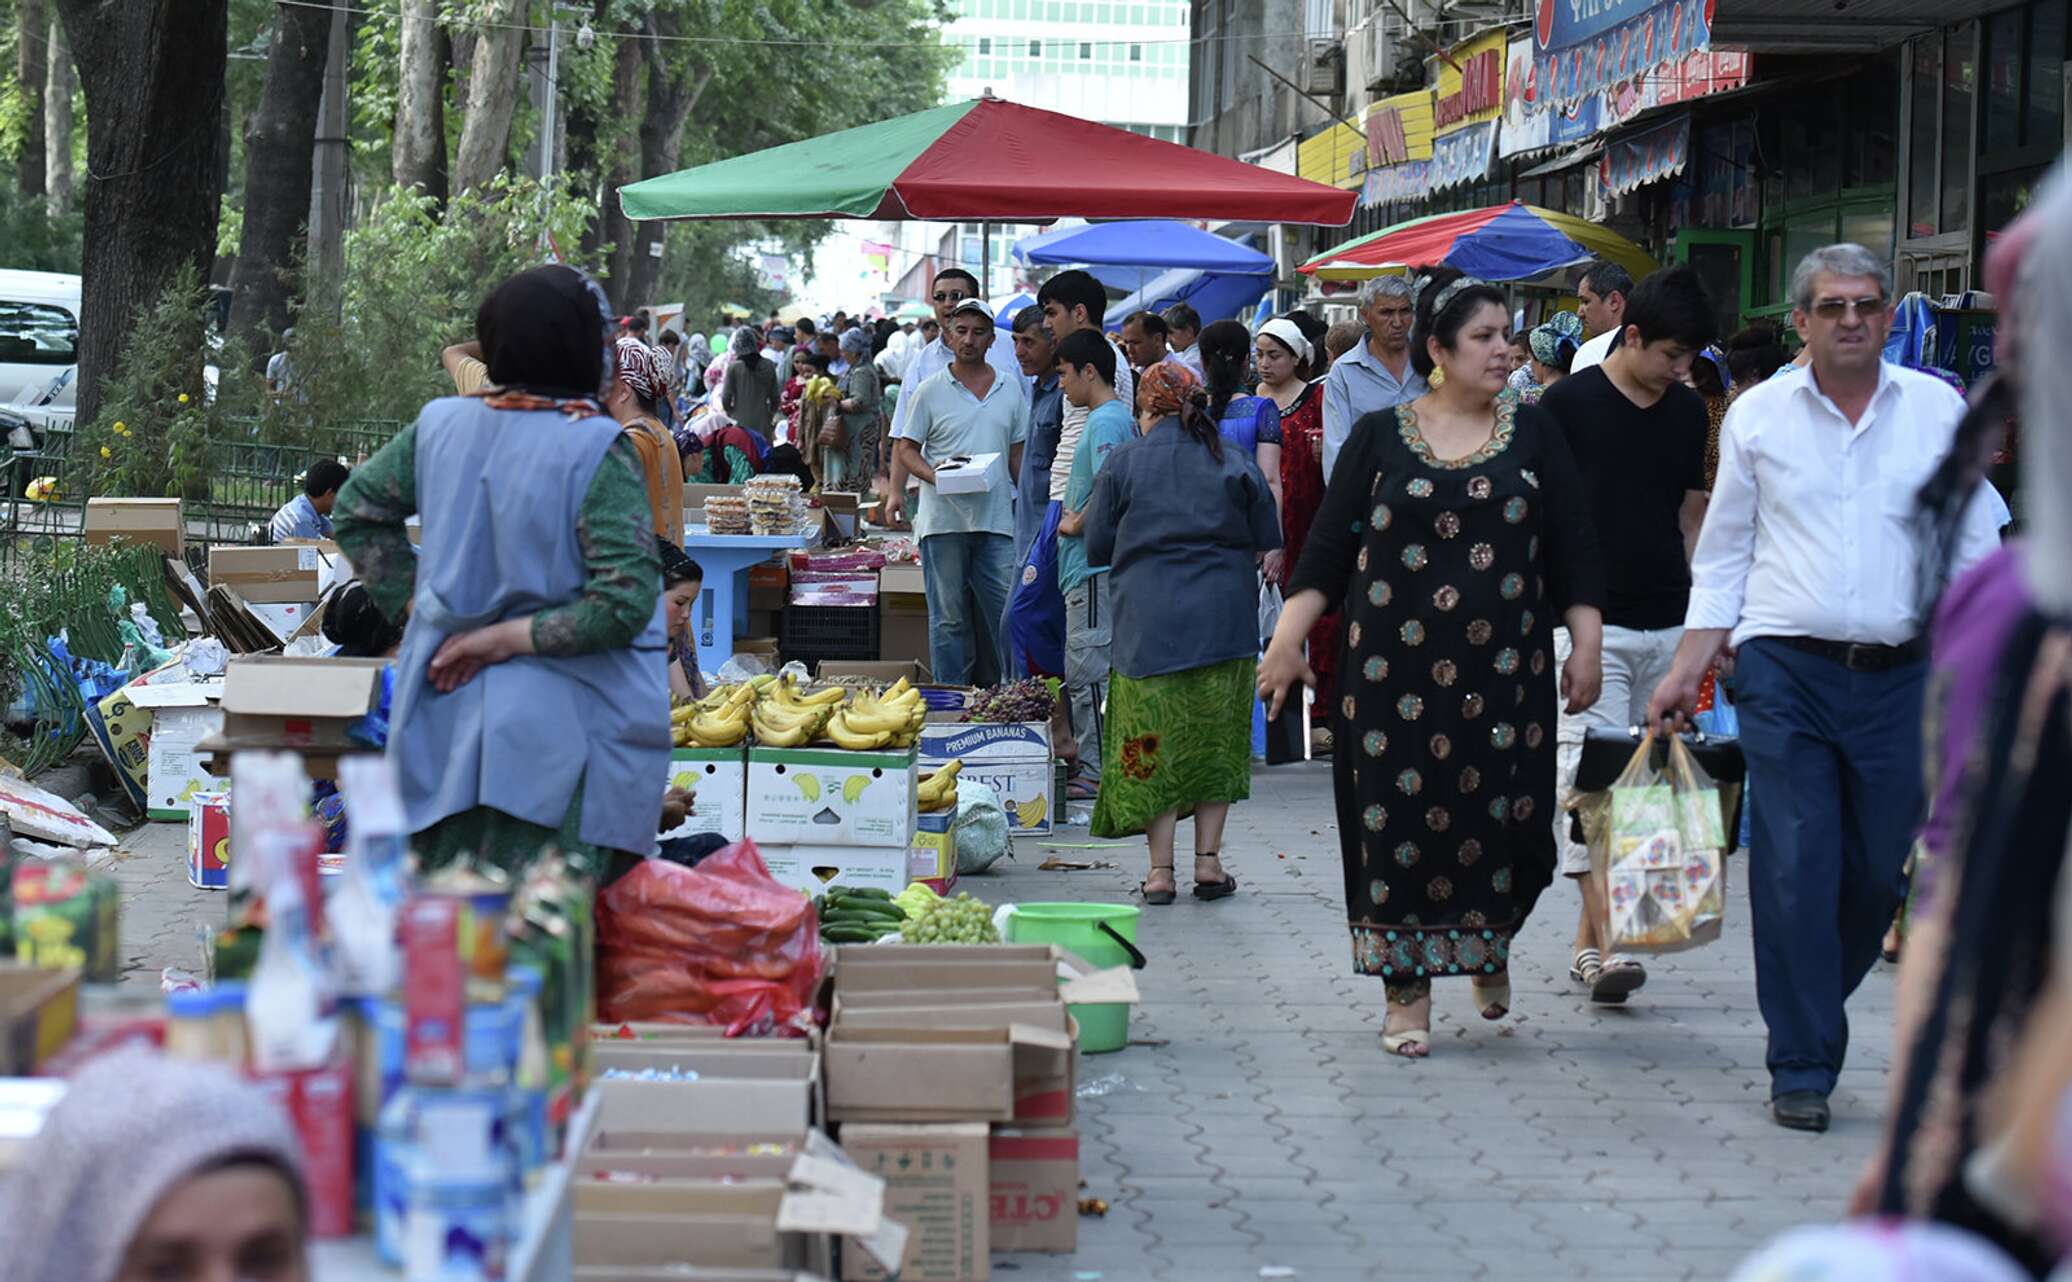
811,633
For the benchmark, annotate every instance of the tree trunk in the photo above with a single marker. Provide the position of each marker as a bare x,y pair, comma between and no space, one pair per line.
153,75
622,161
280,150
59,84
29,71
672,93
582,142
485,137
419,150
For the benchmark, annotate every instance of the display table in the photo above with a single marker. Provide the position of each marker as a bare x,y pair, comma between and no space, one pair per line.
721,611
544,1250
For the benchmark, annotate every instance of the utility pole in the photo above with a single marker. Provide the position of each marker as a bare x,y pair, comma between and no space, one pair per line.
328,197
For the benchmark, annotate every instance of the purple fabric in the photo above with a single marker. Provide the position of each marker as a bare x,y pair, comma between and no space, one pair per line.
1972,626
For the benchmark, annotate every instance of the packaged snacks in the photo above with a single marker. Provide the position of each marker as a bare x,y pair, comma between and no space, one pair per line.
1662,855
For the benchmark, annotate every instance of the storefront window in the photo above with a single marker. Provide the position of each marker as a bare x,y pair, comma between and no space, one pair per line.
1871,98
2003,81
2003,196
1927,98
1960,55
1801,237
2044,121
1870,228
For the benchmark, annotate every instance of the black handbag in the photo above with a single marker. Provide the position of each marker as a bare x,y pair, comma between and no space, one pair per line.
1606,752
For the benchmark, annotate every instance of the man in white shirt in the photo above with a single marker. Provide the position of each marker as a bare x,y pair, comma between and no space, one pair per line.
1073,301
1183,328
1809,565
953,286
967,539
1375,374
1601,305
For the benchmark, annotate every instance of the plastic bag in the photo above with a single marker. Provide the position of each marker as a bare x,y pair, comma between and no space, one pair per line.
1662,856
980,829
723,943
1269,610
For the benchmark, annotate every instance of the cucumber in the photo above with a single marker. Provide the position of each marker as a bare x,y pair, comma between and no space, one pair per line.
840,934
870,908
852,919
864,892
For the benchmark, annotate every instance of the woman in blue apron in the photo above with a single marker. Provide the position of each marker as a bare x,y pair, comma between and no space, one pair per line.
531,706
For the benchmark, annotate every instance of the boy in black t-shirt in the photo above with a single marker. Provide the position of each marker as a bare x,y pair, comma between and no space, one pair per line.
1638,435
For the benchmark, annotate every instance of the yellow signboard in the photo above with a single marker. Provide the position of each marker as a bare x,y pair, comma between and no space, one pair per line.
1471,87
1337,157
1399,129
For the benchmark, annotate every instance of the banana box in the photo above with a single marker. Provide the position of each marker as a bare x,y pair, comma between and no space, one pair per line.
1012,758
208,840
830,797
720,778
815,869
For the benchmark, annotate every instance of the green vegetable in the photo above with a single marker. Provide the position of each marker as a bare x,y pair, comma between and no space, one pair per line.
863,892
848,935
962,920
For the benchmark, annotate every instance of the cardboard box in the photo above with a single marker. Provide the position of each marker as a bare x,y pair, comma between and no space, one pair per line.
975,475
780,1100
902,632
932,858
828,797
208,841
1010,1062
1034,1181
183,714
1013,759
812,869
720,778
161,523
936,1184
39,1010
840,513
269,575
903,578
122,731
888,670
622,1273
300,704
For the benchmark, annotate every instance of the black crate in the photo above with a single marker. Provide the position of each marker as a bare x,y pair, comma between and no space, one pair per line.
810,633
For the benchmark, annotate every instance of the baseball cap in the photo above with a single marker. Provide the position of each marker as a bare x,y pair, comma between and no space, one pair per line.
975,306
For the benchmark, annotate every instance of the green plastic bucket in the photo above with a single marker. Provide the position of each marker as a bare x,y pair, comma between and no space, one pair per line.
1105,935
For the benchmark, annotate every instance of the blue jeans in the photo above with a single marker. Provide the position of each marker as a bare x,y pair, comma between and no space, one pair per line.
1834,768
967,577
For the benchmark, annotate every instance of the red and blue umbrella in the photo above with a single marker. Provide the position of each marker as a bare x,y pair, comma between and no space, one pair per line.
1502,242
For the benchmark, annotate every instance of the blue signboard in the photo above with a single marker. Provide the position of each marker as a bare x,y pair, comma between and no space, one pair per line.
1584,45
1463,155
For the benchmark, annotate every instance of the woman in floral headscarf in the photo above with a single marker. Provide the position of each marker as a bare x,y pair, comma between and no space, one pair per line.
631,399
1553,345
1181,522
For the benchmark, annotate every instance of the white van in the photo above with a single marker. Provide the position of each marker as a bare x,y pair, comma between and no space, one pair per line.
39,344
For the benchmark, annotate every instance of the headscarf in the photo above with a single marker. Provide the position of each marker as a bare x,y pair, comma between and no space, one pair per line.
1546,338
854,342
1165,387
747,345
1289,335
697,355
547,331
130,1127
638,369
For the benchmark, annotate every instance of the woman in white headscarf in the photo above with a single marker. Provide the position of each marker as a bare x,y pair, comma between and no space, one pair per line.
849,454
151,1168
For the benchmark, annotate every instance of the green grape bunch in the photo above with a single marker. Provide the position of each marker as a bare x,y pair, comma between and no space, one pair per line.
962,920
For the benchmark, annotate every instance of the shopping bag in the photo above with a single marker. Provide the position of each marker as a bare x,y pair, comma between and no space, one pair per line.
1269,610
1036,608
1658,851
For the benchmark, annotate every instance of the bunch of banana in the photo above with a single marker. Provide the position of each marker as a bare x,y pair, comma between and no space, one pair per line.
873,721
783,719
719,720
938,791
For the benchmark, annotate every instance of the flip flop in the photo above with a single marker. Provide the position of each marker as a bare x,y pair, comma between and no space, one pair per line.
1224,889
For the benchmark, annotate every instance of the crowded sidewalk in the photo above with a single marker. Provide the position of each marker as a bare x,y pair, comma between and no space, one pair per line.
1254,1122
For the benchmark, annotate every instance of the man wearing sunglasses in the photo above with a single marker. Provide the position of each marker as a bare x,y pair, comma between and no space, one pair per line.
953,285
1809,567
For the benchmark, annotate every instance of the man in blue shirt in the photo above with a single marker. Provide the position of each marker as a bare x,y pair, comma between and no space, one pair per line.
1376,375
1036,352
1086,371
308,514
967,538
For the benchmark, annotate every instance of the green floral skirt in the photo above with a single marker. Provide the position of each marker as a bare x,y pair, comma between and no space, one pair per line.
485,837
1174,742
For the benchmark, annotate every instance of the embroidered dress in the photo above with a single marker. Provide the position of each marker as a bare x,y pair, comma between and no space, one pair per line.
1452,575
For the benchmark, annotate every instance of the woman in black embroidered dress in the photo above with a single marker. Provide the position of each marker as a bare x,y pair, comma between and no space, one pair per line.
1453,533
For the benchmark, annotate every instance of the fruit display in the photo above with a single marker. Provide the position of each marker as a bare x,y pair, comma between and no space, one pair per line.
1034,699
872,722
962,920
784,718
858,915
938,791
719,720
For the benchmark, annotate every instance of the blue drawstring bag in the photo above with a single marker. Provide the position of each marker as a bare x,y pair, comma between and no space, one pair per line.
1036,608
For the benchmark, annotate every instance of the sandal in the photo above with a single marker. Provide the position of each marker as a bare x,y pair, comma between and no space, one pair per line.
1409,1043
1618,978
1081,790
1493,1000
1166,896
1583,970
1212,890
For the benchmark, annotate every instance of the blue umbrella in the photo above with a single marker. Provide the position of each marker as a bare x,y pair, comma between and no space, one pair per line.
1004,312
1151,243
1215,295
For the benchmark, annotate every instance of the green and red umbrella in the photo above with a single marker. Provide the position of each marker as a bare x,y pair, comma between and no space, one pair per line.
986,160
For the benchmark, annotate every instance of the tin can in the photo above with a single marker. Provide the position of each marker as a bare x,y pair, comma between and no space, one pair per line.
480,935
458,1230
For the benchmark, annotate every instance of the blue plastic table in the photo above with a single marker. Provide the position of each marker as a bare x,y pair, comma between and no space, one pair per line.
721,611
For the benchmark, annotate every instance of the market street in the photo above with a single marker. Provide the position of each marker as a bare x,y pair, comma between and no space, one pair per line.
1254,1122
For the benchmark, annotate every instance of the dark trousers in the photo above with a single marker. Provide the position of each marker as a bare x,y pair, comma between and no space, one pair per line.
1834,767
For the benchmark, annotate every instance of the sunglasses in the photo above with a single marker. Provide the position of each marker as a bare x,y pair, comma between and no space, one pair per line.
1837,308
951,298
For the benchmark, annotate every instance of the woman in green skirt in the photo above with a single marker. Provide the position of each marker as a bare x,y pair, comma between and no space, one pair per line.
1181,522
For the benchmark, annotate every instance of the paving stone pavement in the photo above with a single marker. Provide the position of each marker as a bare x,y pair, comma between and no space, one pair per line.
1255,1123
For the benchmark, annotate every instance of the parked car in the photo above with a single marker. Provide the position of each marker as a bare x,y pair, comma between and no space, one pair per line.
39,345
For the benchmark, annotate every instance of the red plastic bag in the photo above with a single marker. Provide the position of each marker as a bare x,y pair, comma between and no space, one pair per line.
723,943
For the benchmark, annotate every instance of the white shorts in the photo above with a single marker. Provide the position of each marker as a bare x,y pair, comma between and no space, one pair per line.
1635,661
